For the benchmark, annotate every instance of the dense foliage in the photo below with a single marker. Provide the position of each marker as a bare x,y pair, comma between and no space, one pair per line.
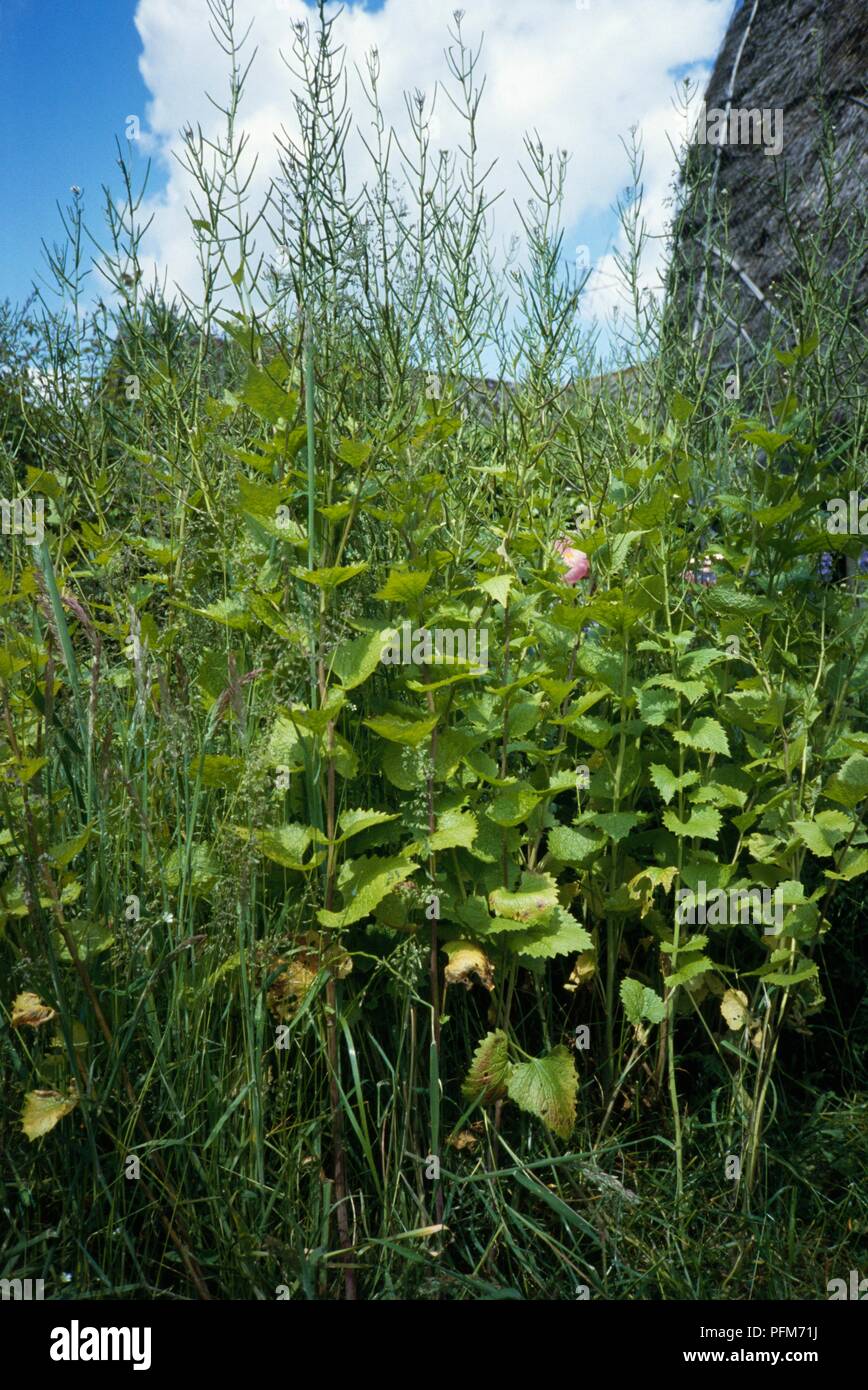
394,764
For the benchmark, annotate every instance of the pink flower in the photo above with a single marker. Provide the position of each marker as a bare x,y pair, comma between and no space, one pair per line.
576,561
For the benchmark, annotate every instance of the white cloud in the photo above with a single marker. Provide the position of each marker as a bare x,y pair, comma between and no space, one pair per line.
579,77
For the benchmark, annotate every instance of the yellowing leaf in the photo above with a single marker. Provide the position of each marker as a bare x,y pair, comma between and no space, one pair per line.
289,989
44,1109
29,1011
583,971
547,1087
465,961
734,1007
489,1069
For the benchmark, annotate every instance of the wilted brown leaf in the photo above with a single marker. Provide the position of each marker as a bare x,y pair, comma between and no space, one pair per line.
463,1140
300,970
29,1011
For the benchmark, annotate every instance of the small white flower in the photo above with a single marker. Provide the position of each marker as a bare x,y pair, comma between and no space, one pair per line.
168,918
67,1278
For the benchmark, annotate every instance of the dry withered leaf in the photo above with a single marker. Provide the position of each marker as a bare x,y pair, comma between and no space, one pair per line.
734,1007
462,1140
29,1011
300,970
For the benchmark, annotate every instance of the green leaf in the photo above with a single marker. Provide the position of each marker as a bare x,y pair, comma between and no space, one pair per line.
91,938
364,883
547,1087
404,586
354,661
354,822
667,783
355,452
697,661
203,868
705,735
514,804
574,846
680,408
615,824
230,612
316,721
220,770
723,598
641,1002
284,748
691,690
536,898
821,840
853,864
454,828
770,440
559,935
489,1071
331,577
411,732
849,785
286,845
688,971
785,979
619,546
64,854
704,824
266,397
772,516
803,349
497,585
656,706
557,690
405,767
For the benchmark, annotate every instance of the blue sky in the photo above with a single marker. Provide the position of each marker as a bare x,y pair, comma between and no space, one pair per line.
68,77
71,71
